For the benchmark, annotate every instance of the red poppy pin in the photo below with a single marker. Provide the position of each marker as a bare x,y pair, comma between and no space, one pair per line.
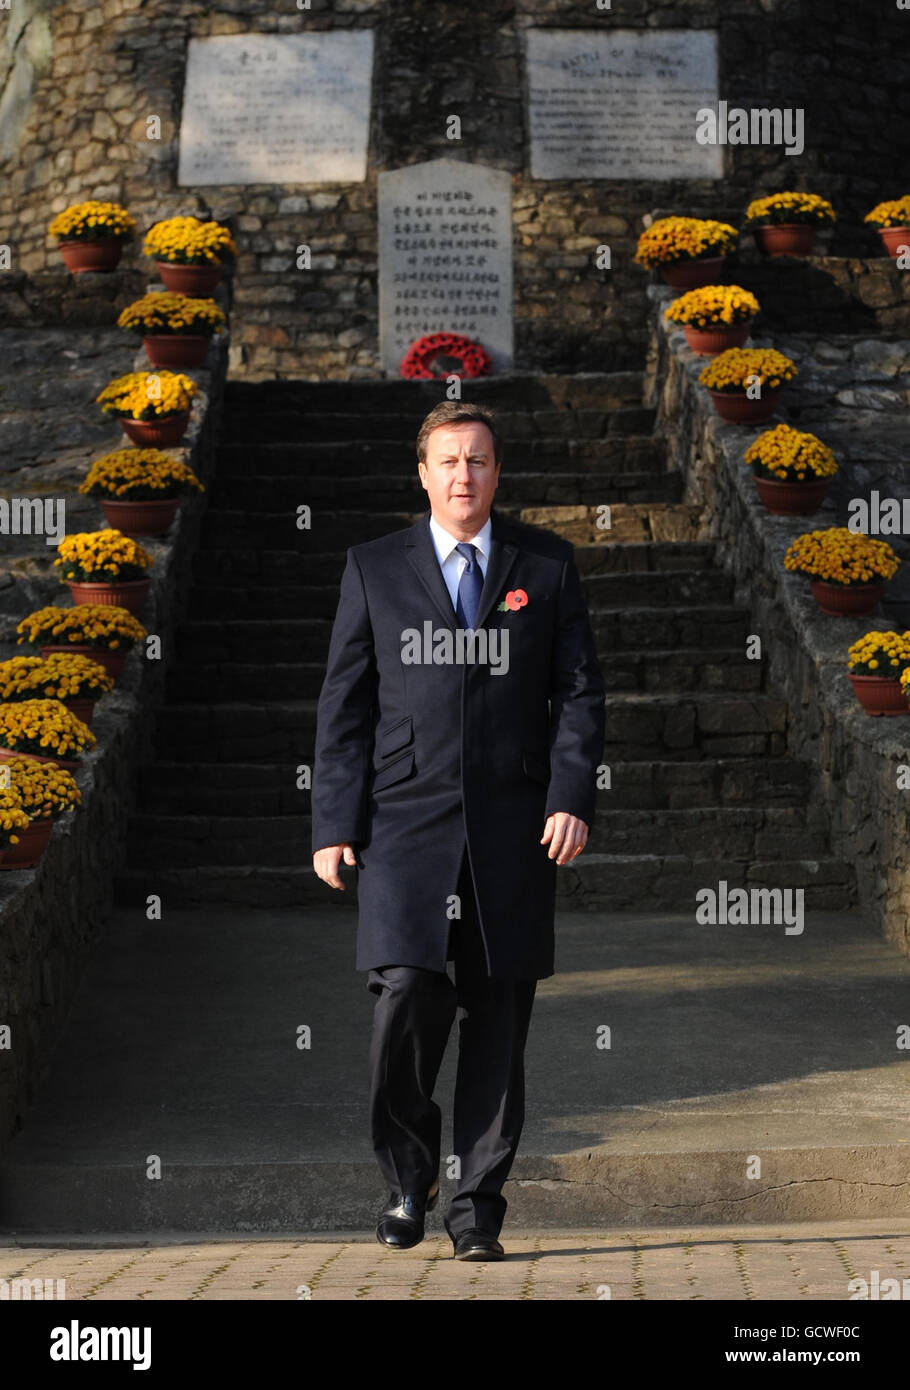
514,599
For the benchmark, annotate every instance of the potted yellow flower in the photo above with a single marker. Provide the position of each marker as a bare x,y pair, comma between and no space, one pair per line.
190,254
140,489
104,632
152,407
105,567
91,235
688,251
786,224
75,680
175,329
848,570
46,792
44,730
13,822
745,383
792,470
875,665
714,317
892,218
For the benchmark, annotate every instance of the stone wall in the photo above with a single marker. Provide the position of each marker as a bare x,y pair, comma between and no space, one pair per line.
51,916
83,76
852,392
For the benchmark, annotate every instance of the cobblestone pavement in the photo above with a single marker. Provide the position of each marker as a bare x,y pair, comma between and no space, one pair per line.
807,1262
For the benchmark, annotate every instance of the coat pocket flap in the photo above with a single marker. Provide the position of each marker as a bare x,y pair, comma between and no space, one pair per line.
536,765
395,771
395,737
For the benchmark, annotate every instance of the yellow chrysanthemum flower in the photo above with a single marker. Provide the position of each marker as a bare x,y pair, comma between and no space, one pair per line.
91,221
108,627
713,306
139,475
672,239
840,556
731,370
785,454
790,207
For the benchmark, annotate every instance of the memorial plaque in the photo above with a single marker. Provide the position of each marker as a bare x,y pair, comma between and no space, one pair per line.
620,104
445,257
277,108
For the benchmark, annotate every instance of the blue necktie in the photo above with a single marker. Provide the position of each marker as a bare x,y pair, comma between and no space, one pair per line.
469,586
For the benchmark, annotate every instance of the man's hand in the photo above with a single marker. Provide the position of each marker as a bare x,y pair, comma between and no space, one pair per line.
326,862
569,835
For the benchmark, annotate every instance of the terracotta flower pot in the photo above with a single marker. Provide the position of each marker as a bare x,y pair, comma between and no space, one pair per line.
783,498
157,434
7,755
786,238
846,600
33,842
124,593
111,661
82,709
79,256
708,342
740,409
880,694
688,275
149,518
894,238
177,350
197,281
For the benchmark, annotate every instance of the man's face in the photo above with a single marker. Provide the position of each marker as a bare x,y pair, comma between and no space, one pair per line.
460,476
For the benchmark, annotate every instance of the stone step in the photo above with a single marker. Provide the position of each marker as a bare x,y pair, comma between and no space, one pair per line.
518,391
395,492
663,589
336,529
597,883
295,567
695,726
262,641
269,789
606,882
697,669
178,840
287,423
643,629
663,725
372,457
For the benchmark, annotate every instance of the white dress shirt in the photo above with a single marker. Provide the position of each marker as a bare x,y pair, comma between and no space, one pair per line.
451,563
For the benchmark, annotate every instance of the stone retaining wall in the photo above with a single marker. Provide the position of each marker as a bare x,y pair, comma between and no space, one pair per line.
52,916
853,393
78,82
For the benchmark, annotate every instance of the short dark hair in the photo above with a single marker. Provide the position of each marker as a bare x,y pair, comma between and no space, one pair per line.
458,413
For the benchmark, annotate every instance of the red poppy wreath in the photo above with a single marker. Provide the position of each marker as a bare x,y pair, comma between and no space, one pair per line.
445,354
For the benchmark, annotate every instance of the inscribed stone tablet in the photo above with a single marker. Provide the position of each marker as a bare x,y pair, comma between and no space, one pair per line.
620,104
277,108
445,257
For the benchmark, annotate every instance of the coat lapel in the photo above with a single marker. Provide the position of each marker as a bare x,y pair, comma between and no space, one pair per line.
421,554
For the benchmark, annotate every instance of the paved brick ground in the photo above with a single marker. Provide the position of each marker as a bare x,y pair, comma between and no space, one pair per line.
809,1262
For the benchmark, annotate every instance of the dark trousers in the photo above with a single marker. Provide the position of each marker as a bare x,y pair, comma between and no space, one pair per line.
413,1017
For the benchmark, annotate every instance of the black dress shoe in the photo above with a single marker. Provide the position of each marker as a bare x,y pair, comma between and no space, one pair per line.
400,1225
477,1245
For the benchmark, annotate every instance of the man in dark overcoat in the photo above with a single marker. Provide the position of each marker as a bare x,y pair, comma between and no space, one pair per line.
460,726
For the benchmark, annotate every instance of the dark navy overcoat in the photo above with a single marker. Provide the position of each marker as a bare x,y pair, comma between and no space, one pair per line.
417,755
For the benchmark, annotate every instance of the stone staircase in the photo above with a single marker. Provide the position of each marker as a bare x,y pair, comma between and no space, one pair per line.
702,786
